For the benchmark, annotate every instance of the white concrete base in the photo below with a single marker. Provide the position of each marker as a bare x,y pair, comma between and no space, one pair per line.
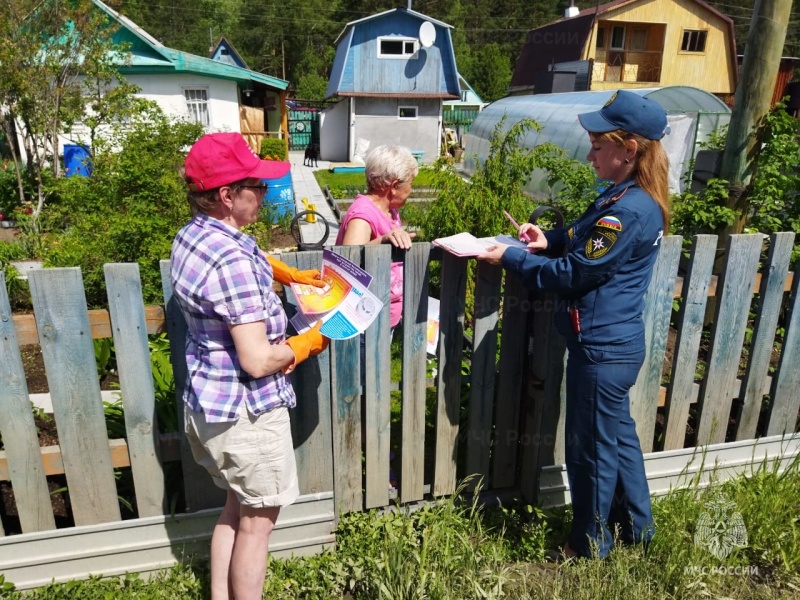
679,468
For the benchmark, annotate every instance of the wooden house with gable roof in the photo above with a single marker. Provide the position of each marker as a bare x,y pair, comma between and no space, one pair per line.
633,44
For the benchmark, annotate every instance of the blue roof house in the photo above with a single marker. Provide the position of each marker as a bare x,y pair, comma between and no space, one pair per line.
391,74
226,53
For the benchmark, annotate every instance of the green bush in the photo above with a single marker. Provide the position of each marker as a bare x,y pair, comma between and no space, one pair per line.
274,149
128,210
498,184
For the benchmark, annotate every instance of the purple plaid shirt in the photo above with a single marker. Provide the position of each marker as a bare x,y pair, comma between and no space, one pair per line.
219,278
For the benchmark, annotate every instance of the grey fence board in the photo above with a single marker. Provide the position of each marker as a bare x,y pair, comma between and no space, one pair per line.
509,383
450,351
544,408
198,487
377,405
771,297
19,431
785,390
482,378
415,325
64,334
346,413
311,418
689,327
734,296
136,382
657,311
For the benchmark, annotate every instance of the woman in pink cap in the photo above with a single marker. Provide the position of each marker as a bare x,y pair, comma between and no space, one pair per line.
237,394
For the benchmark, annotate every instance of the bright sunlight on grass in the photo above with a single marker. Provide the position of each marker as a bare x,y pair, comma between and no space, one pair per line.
454,550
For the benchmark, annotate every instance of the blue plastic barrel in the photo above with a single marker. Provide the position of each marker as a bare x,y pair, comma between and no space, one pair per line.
280,196
77,160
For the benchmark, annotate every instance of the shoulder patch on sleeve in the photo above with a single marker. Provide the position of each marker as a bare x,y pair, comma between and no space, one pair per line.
609,222
600,242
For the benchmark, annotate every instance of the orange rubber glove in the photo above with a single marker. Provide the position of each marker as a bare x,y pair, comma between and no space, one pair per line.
283,273
308,343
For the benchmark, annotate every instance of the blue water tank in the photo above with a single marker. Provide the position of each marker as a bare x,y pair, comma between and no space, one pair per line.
280,196
77,160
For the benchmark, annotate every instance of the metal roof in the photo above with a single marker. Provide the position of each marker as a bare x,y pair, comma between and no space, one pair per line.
151,56
386,12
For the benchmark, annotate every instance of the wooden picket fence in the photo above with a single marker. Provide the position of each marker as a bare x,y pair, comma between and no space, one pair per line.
502,421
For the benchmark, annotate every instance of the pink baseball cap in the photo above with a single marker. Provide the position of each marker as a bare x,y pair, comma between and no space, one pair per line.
218,159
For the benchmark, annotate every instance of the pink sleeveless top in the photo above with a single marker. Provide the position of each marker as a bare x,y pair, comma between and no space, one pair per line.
365,209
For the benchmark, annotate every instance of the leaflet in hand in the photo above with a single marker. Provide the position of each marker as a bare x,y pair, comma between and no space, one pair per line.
466,244
345,305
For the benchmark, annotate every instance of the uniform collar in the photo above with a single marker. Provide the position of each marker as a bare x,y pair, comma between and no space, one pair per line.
613,193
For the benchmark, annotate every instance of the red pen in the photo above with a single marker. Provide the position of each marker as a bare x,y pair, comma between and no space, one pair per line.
524,236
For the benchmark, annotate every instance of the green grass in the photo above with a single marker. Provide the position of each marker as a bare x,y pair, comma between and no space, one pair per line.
457,550
347,185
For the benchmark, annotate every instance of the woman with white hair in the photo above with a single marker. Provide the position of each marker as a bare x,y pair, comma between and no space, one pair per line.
374,218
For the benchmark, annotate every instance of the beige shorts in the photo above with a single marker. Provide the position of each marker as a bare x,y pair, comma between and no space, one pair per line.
253,456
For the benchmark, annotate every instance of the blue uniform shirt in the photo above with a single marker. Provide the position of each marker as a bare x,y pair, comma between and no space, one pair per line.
600,265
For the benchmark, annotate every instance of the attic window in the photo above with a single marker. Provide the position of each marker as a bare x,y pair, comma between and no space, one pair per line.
693,40
394,47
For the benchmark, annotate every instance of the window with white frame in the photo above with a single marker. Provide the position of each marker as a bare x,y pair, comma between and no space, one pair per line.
396,47
406,112
617,38
197,105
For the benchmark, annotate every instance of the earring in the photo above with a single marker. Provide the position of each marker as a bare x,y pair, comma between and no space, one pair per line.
627,161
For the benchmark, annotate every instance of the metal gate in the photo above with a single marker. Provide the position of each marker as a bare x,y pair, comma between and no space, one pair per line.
304,122
303,127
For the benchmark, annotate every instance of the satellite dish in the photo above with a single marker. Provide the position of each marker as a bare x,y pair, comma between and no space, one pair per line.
427,34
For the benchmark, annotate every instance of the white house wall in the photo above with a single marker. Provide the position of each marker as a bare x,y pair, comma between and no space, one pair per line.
167,91
333,126
376,120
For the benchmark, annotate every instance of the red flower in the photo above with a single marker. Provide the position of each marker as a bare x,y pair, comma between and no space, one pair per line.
28,210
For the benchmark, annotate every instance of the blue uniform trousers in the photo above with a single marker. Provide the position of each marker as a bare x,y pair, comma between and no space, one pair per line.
604,458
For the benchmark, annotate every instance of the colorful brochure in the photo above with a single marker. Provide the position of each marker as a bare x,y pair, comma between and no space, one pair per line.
345,305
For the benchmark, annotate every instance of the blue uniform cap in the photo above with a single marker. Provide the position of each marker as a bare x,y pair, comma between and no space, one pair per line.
630,112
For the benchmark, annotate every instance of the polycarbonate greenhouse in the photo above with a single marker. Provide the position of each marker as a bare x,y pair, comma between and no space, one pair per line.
692,113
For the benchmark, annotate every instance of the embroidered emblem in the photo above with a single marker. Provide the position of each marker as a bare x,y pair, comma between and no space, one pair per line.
610,100
609,222
600,242
570,233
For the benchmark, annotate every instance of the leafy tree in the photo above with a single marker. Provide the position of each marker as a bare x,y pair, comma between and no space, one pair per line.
58,59
311,86
489,71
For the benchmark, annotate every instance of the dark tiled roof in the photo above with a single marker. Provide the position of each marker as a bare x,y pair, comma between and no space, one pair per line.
560,41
